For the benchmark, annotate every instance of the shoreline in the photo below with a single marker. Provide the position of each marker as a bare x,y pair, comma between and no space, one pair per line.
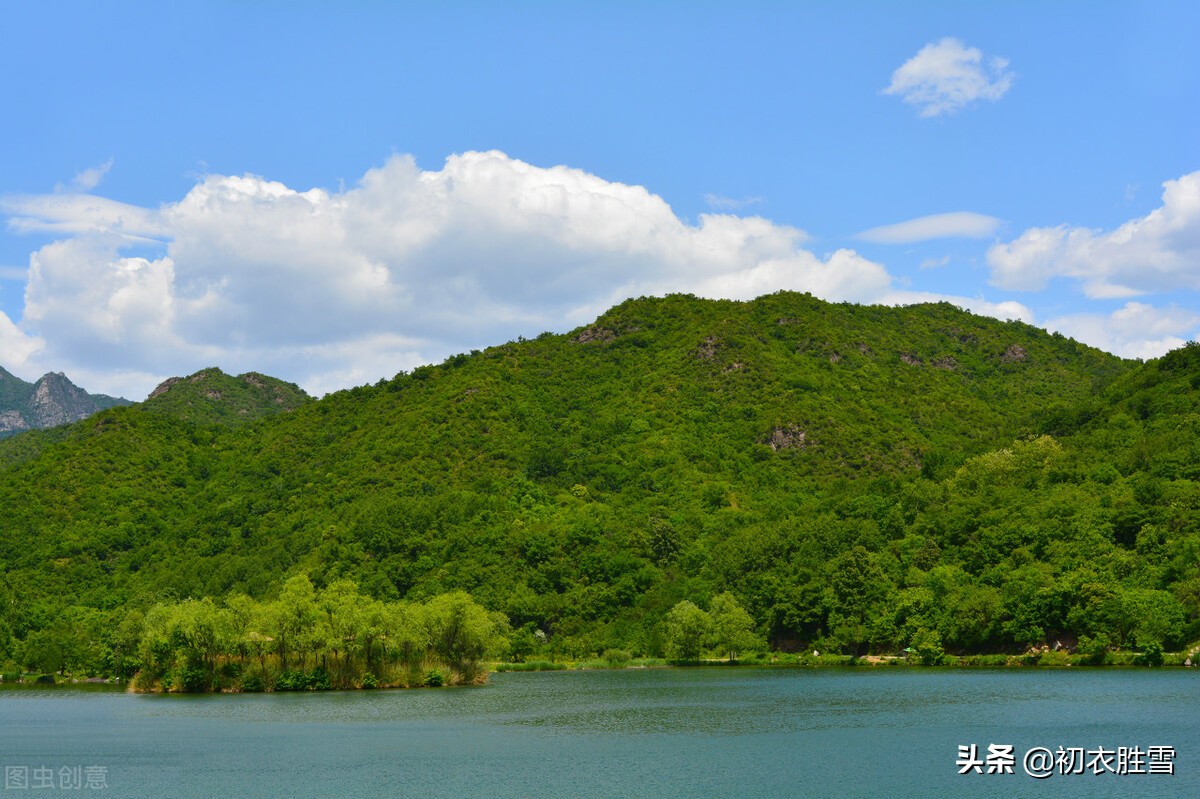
1120,660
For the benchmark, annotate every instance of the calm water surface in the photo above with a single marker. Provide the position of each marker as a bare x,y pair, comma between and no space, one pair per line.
652,733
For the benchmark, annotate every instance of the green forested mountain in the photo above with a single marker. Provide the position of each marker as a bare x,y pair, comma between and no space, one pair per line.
858,478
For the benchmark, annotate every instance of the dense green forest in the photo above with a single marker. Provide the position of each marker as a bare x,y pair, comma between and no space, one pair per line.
858,478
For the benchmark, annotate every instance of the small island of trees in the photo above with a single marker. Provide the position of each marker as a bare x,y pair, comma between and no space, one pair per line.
310,640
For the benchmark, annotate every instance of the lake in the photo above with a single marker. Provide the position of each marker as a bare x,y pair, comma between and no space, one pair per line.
705,732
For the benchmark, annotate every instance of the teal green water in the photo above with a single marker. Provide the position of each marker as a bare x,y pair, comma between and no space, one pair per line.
653,733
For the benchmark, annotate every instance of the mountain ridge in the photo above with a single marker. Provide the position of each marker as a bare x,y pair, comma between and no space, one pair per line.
854,475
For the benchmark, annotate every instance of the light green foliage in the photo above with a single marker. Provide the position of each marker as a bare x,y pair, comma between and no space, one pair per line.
459,631
688,628
294,618
340,638
732,629
1025,462
616,658
1152,654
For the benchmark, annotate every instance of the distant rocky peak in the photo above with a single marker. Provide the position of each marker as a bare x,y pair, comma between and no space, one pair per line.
51,401
56,400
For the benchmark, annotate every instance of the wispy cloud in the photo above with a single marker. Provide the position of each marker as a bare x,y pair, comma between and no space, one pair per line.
947,76
90,178
13,272
958,224
78,214
719,203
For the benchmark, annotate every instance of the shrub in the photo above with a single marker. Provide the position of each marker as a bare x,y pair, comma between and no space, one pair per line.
290,681
616,658
194,679
1054,658
927,645
1151,655
317,680
1094,650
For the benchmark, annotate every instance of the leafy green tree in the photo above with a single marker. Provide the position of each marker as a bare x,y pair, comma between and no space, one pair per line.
294,615
408,633
861,590
1158,617
373,626
731,628
242,617
1094,649
1152,654
1026,604
663,541
340,620
688,627
44,651
927,646
125,644
459,631
202,628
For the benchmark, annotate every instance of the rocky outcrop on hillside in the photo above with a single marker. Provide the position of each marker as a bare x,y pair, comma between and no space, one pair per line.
212,397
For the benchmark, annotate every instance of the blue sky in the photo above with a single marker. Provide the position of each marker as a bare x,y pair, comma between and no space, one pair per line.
332,193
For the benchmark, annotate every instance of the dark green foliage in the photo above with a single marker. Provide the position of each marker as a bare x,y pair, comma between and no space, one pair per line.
1095,650
927,646
850,476
1151,655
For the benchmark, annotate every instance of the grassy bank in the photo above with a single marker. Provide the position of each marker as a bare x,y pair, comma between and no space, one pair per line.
1050,659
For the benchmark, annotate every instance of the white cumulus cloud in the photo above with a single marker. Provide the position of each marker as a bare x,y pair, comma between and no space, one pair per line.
331,289
947,76
957,224
1155,253
1136,330
15,345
